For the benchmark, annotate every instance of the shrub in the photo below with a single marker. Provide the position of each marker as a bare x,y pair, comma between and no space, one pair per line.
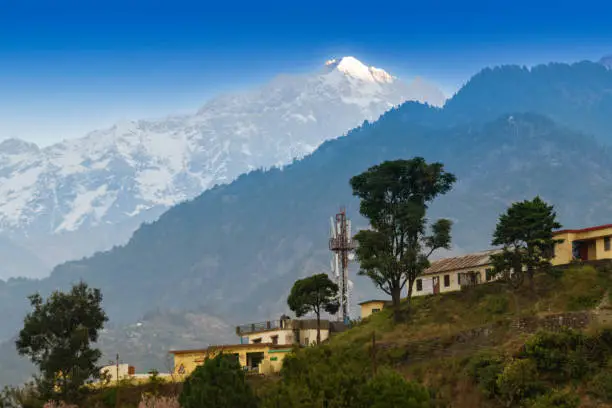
62,404
561,355
150,401
484,370
518,381
388,389
24,397
556,399
218,383
320,376
601,386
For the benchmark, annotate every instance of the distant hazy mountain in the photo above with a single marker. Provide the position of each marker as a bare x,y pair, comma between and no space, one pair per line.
143,167
606,61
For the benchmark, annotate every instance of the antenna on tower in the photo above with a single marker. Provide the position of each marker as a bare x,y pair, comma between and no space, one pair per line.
342,245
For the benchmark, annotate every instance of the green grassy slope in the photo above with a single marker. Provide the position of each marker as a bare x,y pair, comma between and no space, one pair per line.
468,346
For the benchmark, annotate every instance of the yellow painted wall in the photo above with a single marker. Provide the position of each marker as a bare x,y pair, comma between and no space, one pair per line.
366,308
190,361
563,251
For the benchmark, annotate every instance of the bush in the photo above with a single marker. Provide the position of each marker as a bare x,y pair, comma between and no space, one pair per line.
388,389
320,376
518,381
484,369
25,397
149,401
556,399
561,355
218,383
601,386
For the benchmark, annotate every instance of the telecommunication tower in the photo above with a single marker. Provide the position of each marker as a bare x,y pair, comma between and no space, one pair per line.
342,245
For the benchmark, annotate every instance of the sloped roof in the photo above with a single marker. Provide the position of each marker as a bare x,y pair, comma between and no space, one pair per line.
374,301
467,261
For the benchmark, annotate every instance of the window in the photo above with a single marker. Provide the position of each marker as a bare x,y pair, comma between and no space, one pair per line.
375,311
489,274
181,369
256,341
606,243
446,281
419,283
274,339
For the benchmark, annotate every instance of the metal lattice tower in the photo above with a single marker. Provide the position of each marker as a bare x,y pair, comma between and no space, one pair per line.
342,245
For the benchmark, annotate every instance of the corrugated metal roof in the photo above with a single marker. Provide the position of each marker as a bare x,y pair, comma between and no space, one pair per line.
461,262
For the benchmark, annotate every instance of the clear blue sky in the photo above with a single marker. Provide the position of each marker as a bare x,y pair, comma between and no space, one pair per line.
67,67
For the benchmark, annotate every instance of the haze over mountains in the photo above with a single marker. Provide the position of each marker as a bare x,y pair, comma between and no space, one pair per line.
231,254
79,196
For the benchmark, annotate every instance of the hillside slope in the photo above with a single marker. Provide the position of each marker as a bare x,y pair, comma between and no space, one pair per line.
485,346
268,228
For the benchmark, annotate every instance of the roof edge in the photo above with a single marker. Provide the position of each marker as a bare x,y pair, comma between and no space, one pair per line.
588,229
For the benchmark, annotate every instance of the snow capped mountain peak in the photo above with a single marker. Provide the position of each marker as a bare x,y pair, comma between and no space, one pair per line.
354,68
136,168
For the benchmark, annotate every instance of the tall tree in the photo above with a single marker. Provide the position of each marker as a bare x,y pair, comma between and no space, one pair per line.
57,336
394,197
316,293
525,231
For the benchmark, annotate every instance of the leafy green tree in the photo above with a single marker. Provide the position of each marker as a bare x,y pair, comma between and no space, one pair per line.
218,383
526,233
57,336
316,293
394,197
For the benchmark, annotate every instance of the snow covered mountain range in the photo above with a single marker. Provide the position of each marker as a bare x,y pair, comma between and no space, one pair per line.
139,168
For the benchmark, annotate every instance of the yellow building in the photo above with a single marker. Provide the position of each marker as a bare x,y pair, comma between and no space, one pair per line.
263,358
450,274
369,307
587,244
263,346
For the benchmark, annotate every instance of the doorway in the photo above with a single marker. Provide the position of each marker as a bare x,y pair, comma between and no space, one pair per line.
254,360
436,285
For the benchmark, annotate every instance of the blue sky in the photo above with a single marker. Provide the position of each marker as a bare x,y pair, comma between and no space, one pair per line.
67,67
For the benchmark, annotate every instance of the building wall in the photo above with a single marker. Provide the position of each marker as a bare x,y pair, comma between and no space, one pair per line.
454,280
286,336
111,371
563,251
309,336
272,358
367,308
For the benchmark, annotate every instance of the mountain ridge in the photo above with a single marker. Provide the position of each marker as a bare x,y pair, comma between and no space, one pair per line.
144,167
